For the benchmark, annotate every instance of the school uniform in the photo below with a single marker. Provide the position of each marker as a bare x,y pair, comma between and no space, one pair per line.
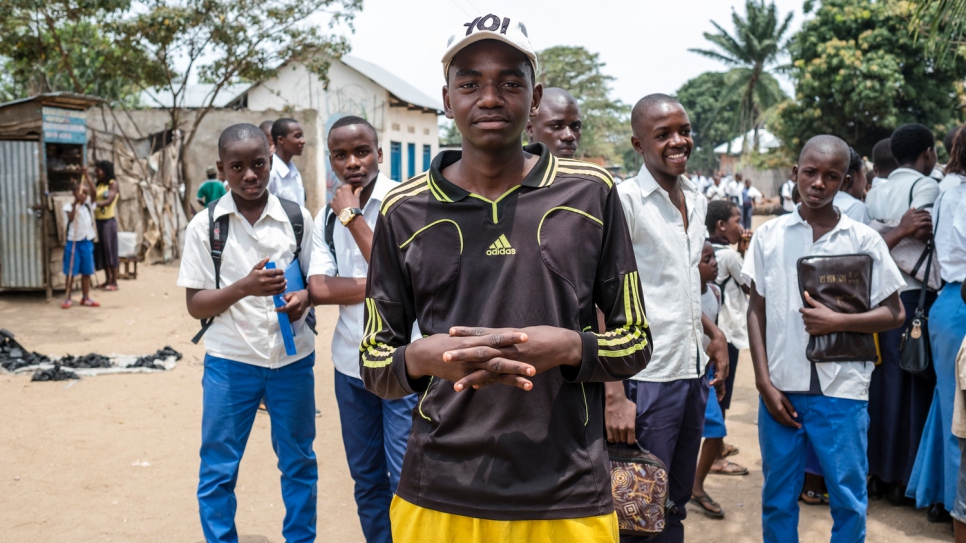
672,392
714,423
717,192
934,475
951,180
852,206
788,205
374,431
748,197
245,360
733,317
80,239
285,181
831,399
898,400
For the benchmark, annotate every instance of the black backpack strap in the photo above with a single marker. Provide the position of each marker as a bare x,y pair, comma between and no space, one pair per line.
217,237
721,285
912,189
294,213
330,231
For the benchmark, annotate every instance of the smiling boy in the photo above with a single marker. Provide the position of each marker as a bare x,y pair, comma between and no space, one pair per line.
557,124
498,253
665,403
245,358
374,431
824,404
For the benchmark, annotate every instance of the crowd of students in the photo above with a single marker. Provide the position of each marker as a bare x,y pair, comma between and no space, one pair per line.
506,313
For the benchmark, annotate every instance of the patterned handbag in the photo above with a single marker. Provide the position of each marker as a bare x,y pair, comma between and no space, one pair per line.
639,483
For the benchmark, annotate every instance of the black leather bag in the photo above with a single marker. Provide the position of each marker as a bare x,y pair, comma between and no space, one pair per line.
915,354
843,283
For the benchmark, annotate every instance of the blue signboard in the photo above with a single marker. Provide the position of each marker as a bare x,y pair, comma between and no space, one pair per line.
64,125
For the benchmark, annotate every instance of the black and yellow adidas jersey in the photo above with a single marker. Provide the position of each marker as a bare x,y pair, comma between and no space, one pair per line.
545,253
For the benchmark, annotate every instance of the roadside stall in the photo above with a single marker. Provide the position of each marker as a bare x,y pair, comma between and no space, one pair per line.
43,150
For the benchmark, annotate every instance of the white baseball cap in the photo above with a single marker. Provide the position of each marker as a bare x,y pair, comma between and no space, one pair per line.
490,27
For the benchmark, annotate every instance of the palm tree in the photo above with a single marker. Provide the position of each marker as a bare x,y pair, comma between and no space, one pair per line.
754,49
943,23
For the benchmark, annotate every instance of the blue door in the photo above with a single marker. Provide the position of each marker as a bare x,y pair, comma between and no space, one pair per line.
427,156
411,156
395,160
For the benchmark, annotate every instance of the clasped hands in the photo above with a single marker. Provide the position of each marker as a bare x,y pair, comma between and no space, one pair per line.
477,357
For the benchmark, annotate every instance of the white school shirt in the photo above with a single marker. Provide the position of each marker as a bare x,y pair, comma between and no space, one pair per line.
717,192
733,317
852,206
951,180
349,262
950,234
667,259
82,227
753,193
248,331
710,306
773,266
889,201
285,181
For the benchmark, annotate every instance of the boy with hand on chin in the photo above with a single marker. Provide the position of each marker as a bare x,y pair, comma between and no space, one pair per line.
245,357
500,253
374,430
825,403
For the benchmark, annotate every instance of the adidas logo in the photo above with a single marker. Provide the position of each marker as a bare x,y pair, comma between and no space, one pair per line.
501,247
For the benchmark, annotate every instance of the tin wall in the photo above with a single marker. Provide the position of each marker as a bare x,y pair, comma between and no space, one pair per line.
21,243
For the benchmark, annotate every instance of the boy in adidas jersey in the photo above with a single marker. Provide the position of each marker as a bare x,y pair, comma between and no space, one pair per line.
374,430
497,252
245,357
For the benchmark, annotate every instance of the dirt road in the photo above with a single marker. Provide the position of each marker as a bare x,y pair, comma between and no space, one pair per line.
115,458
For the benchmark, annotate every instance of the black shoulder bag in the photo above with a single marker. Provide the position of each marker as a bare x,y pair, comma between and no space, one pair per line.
915,354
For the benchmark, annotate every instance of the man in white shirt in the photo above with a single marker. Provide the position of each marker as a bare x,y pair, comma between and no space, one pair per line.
717,190
374,431
749,197
803,402
285,180
665,216
788,205
245,354
898,400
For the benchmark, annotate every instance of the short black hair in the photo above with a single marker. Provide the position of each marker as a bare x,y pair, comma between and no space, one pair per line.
351,120
855,164
642,105
829,145
282,127
948,140
909,141
240,132
882,158
719,210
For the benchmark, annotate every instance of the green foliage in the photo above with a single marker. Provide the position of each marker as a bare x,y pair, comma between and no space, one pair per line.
605,120
943,24
752,50
69,46
859,74
449,135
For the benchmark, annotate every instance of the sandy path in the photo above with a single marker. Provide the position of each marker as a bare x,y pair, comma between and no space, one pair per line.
68,452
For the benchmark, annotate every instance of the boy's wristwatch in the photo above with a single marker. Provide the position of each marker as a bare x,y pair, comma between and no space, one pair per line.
347,214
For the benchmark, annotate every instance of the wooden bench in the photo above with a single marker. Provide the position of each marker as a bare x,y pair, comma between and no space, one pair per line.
126,263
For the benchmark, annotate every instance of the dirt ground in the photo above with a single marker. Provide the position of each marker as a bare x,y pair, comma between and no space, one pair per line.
115,458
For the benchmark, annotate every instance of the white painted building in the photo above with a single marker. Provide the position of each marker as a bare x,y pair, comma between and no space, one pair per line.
405,119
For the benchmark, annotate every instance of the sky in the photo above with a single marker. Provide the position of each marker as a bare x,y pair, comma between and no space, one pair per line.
644,43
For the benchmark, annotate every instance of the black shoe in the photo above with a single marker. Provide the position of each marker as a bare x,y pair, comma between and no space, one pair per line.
896,495
877,489
937,514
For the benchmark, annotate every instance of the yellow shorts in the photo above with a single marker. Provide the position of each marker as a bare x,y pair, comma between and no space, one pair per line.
414,524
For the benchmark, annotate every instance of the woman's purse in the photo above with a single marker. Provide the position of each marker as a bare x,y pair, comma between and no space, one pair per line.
639,483
915,355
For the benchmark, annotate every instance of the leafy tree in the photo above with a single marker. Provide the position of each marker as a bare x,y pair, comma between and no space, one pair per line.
859,74
220,42
449,134
605,120
754,49
713,114
71,46
943,24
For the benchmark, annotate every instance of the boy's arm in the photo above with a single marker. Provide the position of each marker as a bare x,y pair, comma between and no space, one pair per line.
207,303
346,197
717,350
325,287
775,401
820,320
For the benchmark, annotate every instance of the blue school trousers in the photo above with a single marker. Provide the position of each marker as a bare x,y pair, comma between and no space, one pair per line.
837,430
375,433
232,391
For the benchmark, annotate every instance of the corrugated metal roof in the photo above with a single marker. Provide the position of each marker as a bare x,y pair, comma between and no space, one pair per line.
394,84
766,142
62,99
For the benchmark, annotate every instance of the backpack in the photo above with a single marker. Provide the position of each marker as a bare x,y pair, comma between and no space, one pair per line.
721,285
329,232
218,237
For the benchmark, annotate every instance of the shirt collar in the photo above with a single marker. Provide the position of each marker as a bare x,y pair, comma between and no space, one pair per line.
899,172
648,184
280,166
226,206
383,185
542,174
796,218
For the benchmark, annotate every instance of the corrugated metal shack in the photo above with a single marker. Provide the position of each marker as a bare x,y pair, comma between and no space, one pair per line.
45,144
